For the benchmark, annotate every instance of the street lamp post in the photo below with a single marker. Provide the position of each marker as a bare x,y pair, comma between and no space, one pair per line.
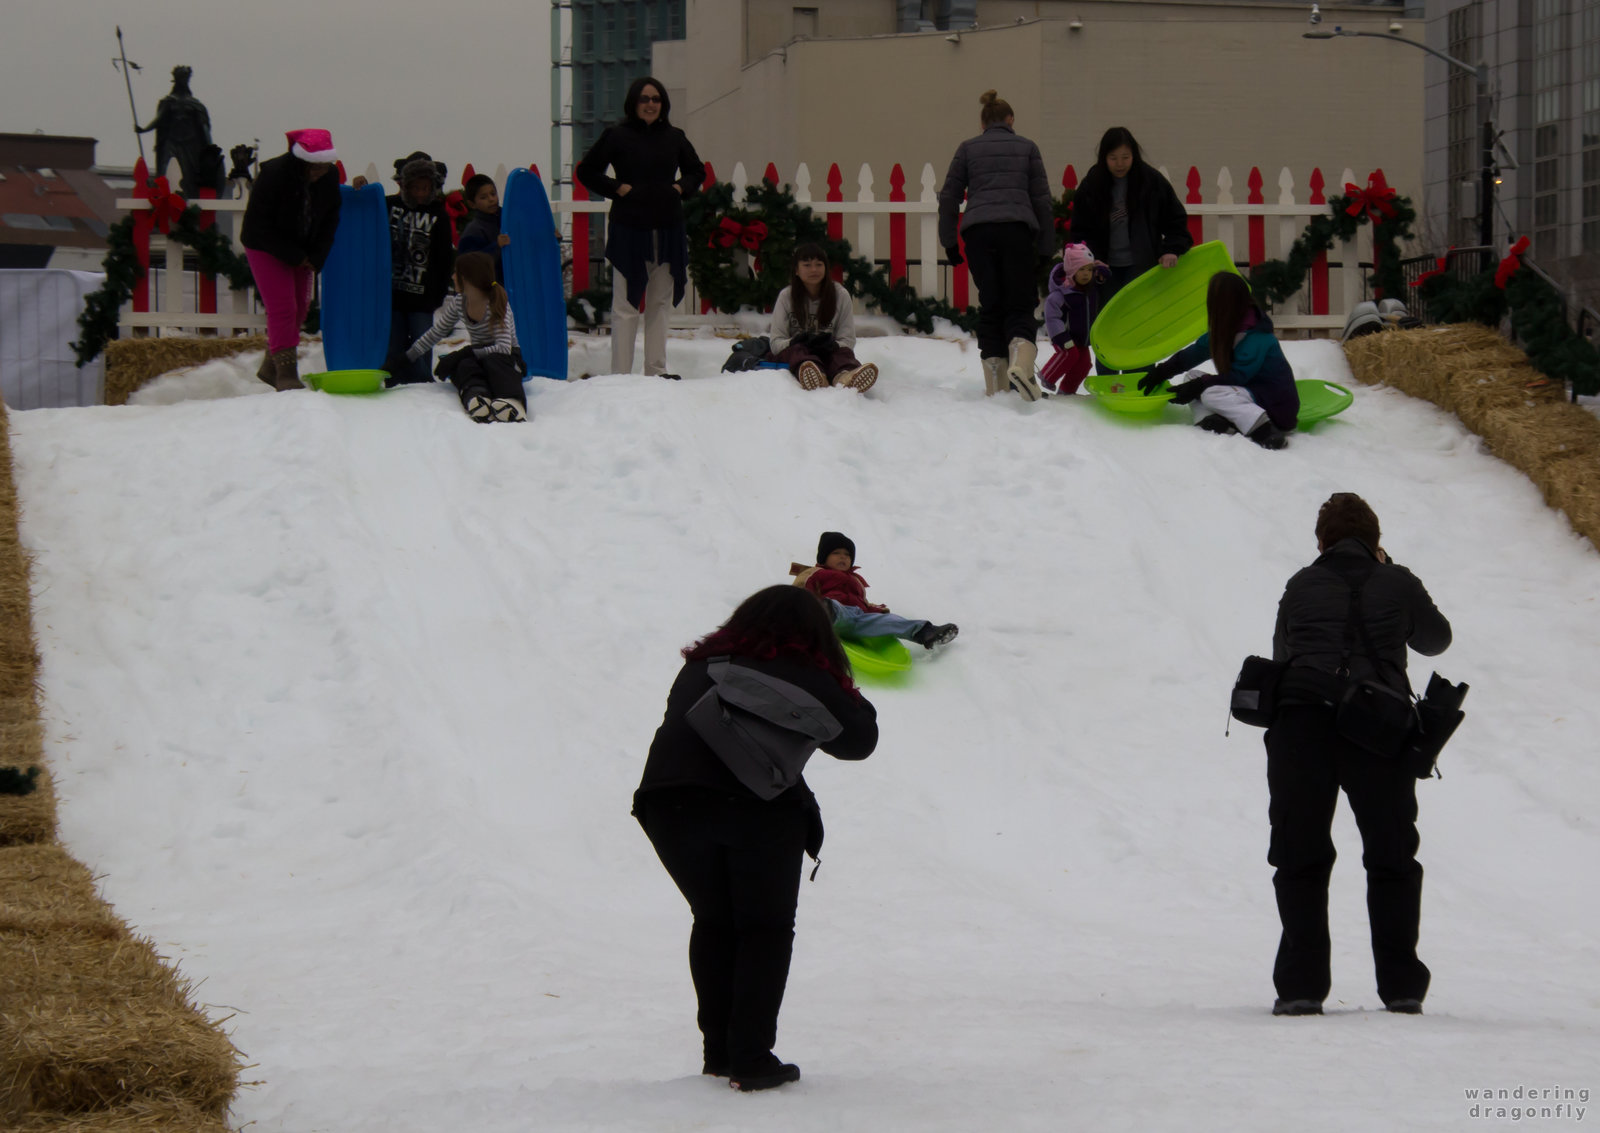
1485,112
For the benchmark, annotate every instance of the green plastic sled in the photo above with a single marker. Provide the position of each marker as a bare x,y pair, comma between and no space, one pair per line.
1320,400
1120,393
347,381
1159,313
876,656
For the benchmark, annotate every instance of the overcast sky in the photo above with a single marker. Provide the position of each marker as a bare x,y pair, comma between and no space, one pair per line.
465,80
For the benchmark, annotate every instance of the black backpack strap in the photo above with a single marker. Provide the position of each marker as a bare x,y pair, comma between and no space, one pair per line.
1356,625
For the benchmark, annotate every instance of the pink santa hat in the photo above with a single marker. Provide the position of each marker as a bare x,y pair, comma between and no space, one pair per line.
315,146
1077,256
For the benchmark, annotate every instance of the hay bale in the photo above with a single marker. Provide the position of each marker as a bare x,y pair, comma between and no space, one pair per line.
29,818
44,890
97,1023
1490,385
170,1115
132,362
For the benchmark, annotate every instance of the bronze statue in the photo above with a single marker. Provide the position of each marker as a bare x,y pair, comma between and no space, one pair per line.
183,133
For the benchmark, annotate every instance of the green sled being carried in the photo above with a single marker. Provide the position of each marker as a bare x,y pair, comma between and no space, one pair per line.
1161,312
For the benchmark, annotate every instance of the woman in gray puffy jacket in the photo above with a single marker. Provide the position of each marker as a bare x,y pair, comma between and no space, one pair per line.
1008,227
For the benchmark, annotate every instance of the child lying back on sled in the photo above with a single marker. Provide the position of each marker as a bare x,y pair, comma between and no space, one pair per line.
834,580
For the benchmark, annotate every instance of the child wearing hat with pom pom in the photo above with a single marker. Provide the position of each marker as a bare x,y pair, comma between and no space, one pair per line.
1069,311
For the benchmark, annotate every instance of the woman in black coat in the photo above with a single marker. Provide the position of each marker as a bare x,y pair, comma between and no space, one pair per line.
653,167
736,857
1128,213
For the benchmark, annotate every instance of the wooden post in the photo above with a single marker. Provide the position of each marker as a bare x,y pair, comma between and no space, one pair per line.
836,219
1257,225
897,225
866,222
580,241
1225,224
207,294
1197,231
1319,266
143,221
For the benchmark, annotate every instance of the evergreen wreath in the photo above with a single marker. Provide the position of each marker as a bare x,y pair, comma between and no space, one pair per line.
103,308
1391,216
742,256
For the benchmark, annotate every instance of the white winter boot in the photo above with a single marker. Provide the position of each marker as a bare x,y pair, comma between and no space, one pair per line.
1024,352
994,376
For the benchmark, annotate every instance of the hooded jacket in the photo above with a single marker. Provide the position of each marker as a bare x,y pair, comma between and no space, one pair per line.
289,216
1258,365
1068,312
1395,607
1001,176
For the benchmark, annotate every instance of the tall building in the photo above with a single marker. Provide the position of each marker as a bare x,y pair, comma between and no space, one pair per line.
611,46
1543,61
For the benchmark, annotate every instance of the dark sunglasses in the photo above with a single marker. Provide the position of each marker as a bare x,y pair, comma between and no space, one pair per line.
649,98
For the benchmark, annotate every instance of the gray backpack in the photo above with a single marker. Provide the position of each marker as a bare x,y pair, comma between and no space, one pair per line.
763,728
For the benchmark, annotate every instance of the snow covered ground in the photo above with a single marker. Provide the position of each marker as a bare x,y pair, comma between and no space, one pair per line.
346,699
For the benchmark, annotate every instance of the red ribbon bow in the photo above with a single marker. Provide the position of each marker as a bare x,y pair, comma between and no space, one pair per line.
165,205
1442,265
1508,266
730,232
1376,201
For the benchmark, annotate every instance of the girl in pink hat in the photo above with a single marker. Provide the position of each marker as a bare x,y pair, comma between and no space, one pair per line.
1070,309
287,234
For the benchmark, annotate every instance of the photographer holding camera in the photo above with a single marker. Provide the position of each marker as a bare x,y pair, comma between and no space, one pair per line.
1343,626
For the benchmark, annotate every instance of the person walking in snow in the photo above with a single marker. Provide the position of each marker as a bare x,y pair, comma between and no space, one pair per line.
835,581
423,255
288,229
647,245
1008,229
735,856
814,327
1349,616
1253,390
482,233
488,372
1069,312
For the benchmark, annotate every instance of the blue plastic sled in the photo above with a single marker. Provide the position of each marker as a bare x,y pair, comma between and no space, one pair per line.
356,284
532,265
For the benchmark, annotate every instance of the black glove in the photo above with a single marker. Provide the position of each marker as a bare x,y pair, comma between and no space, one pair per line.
1155,376
824,343
953,254
1185,393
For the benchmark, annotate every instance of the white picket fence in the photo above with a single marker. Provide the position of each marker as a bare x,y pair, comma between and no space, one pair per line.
867,227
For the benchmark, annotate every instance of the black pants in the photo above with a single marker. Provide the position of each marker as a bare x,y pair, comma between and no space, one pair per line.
1307,764
488,375
737,862
1003,260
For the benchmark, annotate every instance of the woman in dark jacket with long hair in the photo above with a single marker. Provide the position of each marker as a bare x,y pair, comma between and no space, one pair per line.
653,167
736,857
1128,213
1008,229
287,233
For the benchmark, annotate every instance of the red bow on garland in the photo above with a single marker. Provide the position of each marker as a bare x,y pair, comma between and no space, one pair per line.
1376,201
165,205
1508,266
1443,265
730,232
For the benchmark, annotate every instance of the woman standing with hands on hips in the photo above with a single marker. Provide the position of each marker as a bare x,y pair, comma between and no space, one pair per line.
654,168
1008,228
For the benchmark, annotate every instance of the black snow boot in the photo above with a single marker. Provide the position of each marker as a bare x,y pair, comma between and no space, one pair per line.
1268,435
930,635
1297,1007
1405,1006
770,1075
1217,423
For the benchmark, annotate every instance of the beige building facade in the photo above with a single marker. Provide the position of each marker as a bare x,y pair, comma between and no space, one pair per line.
1208,84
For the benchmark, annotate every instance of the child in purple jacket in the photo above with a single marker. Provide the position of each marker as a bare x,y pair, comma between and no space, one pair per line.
1073,303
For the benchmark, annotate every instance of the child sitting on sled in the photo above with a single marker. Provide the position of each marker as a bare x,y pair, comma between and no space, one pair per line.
814,329
488,372
1069,311
834,580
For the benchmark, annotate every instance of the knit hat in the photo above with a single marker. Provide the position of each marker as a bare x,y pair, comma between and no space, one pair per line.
315,146
419,170
436,169
1075,257
832,541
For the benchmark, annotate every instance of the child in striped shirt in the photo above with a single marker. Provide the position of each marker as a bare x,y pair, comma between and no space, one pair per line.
487,373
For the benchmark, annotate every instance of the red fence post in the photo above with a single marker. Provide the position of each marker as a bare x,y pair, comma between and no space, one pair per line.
836,219
208,282
1197,228
711,179
143,221
1258,224
771,175
1319,266
897,226
580,241
1377,292
959,276
467,175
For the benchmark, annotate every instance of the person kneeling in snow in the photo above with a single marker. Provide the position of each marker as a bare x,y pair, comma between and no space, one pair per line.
488,373
844,592
1253,390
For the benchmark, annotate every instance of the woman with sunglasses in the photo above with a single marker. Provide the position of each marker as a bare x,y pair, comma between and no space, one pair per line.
652,168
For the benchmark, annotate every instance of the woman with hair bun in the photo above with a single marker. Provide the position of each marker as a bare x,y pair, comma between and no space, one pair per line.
1008,228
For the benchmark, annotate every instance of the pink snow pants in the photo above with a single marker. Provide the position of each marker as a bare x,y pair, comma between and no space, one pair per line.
286,293
1065,371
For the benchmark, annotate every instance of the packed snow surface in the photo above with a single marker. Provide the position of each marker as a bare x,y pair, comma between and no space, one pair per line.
346,699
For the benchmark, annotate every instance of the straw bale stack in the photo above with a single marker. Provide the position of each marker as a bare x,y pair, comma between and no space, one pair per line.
96,1032
131,362
1489,384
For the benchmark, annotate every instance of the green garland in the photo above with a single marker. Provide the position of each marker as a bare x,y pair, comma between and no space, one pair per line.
103,309
721,281
1277,280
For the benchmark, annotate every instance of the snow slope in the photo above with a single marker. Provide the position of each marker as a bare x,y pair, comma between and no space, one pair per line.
346,699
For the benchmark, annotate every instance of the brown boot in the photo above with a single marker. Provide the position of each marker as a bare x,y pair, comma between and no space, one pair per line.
286,370
267,368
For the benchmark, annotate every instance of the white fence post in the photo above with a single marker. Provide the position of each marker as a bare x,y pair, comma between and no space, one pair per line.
867,219
802,185
928,276
1350,257
1225,222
